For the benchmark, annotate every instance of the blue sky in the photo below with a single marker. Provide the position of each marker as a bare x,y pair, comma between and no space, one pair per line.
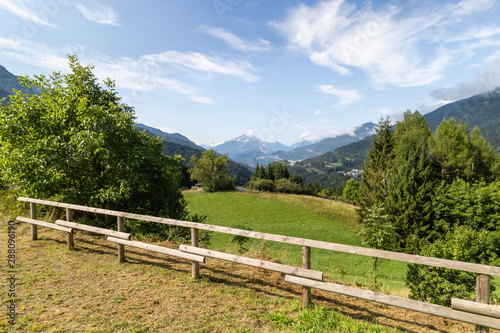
279,70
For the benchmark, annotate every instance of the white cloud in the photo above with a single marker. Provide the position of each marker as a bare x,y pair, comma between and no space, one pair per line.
95,12
201,62
317,112
485,81
467,7
27,10
144,74
396,45
236,42
134,74
251,132
35,54
346,96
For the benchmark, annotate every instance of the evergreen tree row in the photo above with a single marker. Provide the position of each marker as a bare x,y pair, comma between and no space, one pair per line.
276,178
410,180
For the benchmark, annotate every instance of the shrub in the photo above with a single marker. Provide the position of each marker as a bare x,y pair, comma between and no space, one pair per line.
438,285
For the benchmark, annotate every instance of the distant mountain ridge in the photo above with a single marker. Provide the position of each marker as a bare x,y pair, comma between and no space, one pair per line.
481,110
8,81
329,144
174,137
178,144
251,150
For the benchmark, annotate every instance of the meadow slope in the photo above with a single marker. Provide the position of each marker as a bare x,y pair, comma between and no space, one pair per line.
298,216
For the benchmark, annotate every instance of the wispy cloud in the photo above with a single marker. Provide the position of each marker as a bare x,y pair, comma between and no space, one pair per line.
346,97
35,54
96,12
200,62
26,10
395,45
236,42
146,73
485,81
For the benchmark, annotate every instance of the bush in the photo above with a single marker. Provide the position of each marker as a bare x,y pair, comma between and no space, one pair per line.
263,185
285,185
439,285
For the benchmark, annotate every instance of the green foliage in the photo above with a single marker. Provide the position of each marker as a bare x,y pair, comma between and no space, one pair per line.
76,142
263,185
285,185
183,235
439,285
351,191
379,161
377,232
458,154
240,241
322,319
473,205
276,177
211,170
410,183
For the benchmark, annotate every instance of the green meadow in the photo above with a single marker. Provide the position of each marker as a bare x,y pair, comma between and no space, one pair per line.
298,216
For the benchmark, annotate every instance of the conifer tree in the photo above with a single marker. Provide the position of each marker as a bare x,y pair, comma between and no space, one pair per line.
410,183
373,188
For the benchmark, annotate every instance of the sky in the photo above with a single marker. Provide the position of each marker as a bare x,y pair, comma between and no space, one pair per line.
280,70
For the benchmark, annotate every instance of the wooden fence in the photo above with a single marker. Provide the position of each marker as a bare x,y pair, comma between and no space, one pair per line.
480,313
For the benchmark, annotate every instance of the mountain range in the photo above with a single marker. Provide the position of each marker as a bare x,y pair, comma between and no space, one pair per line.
326,161
481,110
251,150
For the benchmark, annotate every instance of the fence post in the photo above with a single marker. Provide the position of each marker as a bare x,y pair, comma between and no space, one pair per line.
306,263
69,218
195,269
482,296
34,231
121,248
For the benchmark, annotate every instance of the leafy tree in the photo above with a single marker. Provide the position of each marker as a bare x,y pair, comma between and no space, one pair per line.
285,185
460,154
264,185
438,285
410,182
378,233
485,163
76,142
211,170
351,191
476,206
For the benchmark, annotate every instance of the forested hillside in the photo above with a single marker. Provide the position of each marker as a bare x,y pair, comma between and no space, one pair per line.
482,111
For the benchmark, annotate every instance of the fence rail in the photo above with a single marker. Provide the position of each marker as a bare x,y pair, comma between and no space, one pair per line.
301,276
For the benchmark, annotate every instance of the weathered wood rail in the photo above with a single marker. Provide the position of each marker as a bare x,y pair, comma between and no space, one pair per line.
478,313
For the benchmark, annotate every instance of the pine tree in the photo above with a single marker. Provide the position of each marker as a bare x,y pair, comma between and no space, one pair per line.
379,159
411,182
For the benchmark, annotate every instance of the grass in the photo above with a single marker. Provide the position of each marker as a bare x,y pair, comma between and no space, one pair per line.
87,290
299,216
